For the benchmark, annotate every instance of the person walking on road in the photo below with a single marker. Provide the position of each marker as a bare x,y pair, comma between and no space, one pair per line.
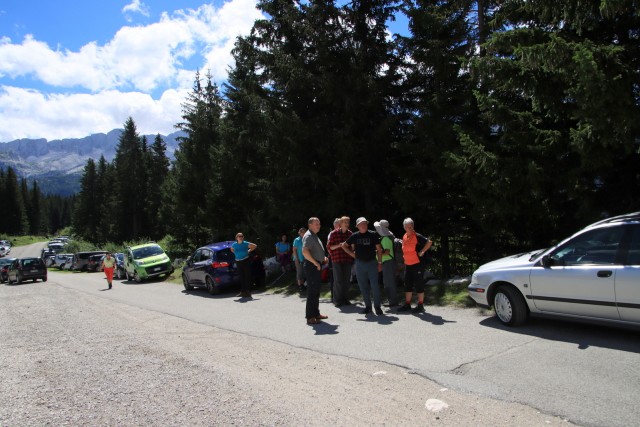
414,246
241,249
388,261
364,246
108,266
314,258
341,261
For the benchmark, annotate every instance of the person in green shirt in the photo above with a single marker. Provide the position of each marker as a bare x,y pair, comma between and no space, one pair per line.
388,261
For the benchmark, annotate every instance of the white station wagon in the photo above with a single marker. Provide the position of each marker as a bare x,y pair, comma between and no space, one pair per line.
593,275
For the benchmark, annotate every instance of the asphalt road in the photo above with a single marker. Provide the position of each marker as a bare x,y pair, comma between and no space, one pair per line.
589,375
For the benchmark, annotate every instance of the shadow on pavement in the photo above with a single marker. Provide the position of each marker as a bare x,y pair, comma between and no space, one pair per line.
381,320
433,319
323,328
584,335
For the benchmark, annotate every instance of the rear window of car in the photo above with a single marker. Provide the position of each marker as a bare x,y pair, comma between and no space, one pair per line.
225,255
32,262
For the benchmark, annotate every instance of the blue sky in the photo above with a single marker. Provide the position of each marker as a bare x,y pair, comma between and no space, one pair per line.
69,69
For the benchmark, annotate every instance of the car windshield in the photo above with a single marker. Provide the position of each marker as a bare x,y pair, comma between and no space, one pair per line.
5,261
147,252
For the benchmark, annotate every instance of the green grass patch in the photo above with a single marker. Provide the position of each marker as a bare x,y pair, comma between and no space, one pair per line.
24,240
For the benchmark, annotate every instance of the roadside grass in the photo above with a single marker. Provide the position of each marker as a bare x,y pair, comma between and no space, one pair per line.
24,240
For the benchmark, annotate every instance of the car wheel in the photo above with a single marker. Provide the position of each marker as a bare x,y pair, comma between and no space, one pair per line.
44,279
510,307
19,279
136,277
185,282
210,286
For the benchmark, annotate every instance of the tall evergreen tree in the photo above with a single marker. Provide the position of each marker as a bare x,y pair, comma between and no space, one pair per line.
558,91
12,204
36,207
87,214
129,183
158,170
196,174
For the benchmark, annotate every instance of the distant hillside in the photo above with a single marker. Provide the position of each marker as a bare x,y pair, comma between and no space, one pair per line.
57,165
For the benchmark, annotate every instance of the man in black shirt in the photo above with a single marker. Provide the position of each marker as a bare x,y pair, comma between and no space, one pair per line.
365,247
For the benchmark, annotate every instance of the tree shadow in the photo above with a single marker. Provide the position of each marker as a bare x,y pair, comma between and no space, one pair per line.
582,334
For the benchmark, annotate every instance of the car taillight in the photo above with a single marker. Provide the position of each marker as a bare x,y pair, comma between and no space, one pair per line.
217,264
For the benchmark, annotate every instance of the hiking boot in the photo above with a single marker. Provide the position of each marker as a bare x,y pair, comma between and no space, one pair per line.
379,311
418,308
404,308
366,310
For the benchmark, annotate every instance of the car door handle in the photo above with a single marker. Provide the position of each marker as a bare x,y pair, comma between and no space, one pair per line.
605,273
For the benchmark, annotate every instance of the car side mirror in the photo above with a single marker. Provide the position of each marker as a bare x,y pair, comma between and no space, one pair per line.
188,261
547,261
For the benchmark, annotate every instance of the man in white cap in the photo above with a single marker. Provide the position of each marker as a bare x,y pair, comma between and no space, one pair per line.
364,246
388,261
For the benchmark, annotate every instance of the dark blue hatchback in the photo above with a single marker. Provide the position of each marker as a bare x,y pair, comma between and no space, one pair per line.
214,267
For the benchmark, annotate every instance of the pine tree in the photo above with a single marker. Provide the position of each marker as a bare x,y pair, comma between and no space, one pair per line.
87,214
129,184
12,205
196,176
158,170
36,210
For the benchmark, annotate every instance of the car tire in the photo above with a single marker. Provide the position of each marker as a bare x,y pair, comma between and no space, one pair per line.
19,279
44,279
509,306
185,282
211,288
136,277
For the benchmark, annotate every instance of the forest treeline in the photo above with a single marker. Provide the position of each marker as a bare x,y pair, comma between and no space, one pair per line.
498,126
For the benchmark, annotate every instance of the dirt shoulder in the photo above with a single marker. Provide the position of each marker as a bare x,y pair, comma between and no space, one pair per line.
68,358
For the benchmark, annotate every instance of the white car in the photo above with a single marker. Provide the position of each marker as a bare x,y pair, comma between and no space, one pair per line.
593,275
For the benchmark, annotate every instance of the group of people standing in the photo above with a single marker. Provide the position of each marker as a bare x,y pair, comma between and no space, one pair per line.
371,251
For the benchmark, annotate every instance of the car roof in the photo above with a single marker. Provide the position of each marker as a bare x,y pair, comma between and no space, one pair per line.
218,246
630,217
144,245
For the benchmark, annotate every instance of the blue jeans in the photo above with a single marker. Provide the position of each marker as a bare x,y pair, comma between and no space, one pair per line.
367,275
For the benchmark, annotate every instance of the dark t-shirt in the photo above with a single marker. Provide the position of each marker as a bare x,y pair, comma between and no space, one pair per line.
365,245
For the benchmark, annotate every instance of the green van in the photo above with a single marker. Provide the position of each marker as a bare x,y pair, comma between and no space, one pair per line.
144,261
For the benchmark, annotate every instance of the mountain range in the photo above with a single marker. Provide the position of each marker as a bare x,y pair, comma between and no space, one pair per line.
57,165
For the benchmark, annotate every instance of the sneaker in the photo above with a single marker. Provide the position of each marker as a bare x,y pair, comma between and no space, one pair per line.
418,308
379,311
405,307
366,310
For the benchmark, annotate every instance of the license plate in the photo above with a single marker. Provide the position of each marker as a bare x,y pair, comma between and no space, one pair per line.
157,269
34,271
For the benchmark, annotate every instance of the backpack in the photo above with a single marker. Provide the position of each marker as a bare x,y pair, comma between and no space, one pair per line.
397,250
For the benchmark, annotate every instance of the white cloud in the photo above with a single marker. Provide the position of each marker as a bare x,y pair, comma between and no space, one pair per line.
160,57
136,6
140,57
32,114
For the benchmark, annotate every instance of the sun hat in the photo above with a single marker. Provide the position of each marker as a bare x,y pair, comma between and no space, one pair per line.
382,227
361,219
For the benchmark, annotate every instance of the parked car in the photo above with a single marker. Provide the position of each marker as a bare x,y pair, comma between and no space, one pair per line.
45,253
67,265
81,259
592,275
48,261
4,268
61,259
94,263
145,261
214,267
22,269
4,250
119,272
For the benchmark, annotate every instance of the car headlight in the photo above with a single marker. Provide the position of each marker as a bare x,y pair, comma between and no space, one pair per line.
474,278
